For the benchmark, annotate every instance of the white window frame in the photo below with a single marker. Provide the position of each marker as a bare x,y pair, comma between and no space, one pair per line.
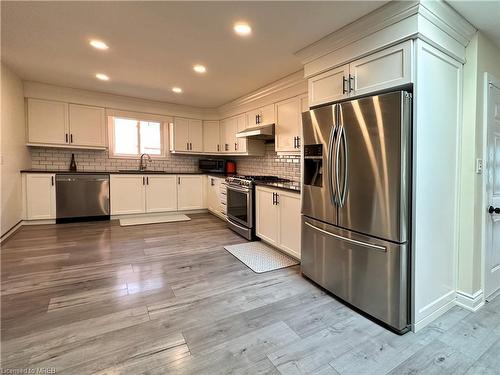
111,137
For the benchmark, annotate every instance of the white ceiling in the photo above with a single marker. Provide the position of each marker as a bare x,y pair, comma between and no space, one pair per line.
484,15
153,45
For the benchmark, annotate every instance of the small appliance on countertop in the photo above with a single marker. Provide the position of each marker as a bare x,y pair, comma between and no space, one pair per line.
230,167
241,202
212,165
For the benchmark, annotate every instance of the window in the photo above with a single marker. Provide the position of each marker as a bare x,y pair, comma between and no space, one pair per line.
133,137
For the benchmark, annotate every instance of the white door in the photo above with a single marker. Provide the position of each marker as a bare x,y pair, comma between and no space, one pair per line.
87,127
266,221
388,68
289,222
492,277
228,132
47,122
127,194
180,134
195,135
161,193
190,192
241,124
40,196
211,136
287,125
329,86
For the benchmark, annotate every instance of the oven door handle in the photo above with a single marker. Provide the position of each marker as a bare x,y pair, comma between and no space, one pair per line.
236,224
241,190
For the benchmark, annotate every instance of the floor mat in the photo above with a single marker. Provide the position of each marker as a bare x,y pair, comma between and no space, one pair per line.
153,219
260,257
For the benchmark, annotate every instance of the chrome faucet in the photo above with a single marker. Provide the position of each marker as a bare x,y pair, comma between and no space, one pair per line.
142,165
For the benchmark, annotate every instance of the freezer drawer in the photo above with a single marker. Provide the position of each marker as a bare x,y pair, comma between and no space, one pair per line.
368,273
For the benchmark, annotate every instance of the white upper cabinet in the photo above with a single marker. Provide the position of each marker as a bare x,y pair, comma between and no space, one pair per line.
196,135
211,136
40,196
47,122
190,192
161,193
261,116
87,125
241,143
53,123
388,68
329,86
229,128
186,135
288,125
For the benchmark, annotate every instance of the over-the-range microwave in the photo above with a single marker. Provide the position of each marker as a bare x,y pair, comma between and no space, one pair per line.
212,165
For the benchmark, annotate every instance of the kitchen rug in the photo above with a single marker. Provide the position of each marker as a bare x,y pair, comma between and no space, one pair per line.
153,219
260,257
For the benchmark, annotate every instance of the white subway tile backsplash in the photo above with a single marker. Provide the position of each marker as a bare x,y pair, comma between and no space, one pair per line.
270,164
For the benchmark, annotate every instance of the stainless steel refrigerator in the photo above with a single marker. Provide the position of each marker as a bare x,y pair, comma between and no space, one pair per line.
356,203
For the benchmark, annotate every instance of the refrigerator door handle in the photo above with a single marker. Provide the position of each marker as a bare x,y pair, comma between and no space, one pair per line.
343,139
346,239
340,133
331,141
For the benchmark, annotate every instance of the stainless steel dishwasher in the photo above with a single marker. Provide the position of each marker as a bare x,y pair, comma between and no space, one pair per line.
82,196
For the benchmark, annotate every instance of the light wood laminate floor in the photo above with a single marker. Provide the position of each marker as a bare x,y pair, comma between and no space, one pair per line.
168,299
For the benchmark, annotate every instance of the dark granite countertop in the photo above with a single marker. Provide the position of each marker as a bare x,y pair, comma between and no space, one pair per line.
289,185
106,172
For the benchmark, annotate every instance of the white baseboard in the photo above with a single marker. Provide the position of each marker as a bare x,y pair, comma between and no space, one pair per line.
471,302
433,316
11,231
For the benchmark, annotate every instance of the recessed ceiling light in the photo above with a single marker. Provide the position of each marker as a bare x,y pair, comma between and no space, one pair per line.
199,68
242,28
102,77
177,90
99,44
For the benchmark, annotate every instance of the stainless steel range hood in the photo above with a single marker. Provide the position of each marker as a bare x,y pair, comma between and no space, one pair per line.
257,132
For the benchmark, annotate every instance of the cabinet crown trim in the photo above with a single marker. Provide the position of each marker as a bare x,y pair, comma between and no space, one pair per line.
437,12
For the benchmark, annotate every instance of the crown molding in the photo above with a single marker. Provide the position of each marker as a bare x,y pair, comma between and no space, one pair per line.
436,11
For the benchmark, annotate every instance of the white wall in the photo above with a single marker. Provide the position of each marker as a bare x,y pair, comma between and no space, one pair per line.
14,153
482,56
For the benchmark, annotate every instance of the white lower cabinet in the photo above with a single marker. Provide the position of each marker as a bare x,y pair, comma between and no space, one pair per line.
127,194
40,197
278,218
190,192
161,193
215,196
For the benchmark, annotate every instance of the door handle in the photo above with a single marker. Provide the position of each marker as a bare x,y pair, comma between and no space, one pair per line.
351,83
144,180
71,138
218,148
346,239
178,180
342,139
66,137
344,85
147,180
329,166
52,180
294,142
187,145
235,146
277,201
495,210
273,199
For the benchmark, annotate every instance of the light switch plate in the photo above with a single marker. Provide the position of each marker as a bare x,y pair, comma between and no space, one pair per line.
479,166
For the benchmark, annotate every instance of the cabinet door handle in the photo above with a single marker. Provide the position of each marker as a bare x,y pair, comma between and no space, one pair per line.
235,146
274,202
344,85
218,148
190,146
351,83
256,119
147,180
178,180
277,200
71,138
294,142
66,137
52,180
187,145
212,182
298,142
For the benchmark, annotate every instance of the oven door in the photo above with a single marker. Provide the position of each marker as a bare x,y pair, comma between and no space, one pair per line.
239,205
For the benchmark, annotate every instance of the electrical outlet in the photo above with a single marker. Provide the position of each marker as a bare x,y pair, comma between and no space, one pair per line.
479,166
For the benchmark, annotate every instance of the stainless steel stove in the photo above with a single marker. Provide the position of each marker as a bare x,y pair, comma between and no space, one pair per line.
241,203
